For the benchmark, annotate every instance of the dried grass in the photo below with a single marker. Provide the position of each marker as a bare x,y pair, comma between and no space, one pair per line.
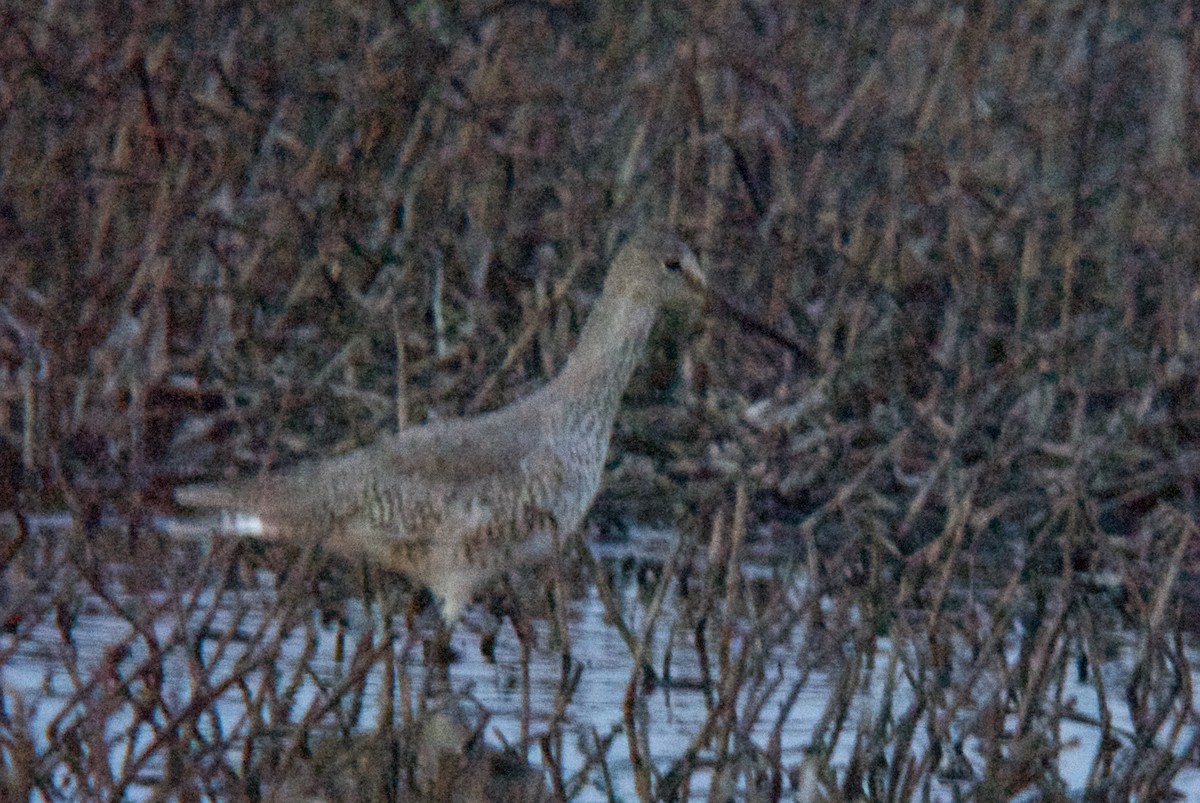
285,231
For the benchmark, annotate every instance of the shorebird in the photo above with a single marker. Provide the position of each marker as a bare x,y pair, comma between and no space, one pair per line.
452,504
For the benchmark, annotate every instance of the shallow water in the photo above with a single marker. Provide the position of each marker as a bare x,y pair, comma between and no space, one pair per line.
34,677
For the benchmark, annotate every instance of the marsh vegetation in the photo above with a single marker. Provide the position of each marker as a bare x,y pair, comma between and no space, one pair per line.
235,236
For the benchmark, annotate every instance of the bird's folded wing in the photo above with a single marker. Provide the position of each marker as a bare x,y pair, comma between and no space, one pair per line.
415,468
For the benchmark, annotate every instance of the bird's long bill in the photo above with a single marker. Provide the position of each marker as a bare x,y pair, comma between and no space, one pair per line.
726,308
696,280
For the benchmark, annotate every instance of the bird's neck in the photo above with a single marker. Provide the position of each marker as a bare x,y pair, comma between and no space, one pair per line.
592,382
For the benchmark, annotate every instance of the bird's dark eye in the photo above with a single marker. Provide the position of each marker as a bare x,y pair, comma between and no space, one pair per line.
673,265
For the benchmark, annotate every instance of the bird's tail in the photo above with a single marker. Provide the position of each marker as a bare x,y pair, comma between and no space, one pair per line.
226,499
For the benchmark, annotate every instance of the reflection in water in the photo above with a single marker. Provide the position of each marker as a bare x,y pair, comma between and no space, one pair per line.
58,661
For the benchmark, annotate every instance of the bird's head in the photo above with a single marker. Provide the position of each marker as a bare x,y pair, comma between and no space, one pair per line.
658,268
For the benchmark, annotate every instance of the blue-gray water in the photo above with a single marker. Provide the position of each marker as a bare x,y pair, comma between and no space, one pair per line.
34,679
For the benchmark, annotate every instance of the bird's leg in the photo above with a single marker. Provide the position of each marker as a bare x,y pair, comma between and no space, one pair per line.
501,603
438,655
522,627
560,604
435,648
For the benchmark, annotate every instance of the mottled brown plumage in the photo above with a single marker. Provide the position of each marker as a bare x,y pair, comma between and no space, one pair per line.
454,502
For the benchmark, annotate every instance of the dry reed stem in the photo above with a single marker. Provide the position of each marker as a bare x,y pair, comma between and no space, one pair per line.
325,221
